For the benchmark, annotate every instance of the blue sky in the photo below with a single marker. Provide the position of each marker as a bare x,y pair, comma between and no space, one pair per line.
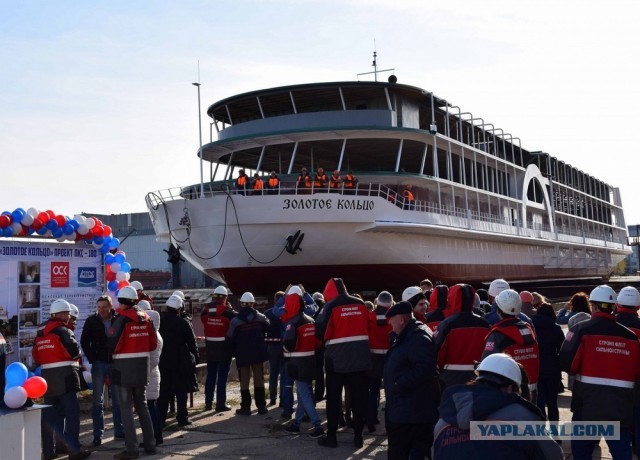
97,107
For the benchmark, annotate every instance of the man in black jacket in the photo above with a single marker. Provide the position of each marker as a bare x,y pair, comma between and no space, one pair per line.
94,346
410,385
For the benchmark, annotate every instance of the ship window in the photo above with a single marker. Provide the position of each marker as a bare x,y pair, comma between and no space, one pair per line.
443,170
534,192
411,160
375,155
428,162
277,158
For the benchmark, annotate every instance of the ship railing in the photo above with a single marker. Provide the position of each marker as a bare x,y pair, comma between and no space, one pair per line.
447,214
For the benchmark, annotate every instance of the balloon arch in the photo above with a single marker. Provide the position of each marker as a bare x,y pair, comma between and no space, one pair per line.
90,230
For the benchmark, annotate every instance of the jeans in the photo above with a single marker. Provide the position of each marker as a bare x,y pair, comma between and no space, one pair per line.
276,364
129,396
286,392
217,375
63,407
620,450
306,403
99,373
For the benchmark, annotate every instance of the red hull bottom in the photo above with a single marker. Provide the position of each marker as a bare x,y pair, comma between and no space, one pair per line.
393,278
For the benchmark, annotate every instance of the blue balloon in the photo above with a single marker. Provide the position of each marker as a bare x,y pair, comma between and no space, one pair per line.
7,231
119,258
57,233
104,249
30,230
68,229
109,259
30,374
112,286
42,230
75,224
114,243
16,374
125,267
37,371
98,239
17,216
51,224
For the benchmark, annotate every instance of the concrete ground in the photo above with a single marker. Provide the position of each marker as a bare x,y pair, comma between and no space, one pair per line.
227,436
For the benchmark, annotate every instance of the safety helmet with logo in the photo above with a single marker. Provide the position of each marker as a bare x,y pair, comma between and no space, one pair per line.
509,302
221,291
247,297
137,285
603,294
629,297
144,305
179,294
500,364
128,292
410,292
292,290
59,306
73,310
174,302
497,286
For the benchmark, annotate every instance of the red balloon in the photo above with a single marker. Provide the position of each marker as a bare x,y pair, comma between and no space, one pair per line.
24,230
51,214
37,224
107,268
111,276
122,284
35,387
5,221
106,230
61,220
43,217
98,230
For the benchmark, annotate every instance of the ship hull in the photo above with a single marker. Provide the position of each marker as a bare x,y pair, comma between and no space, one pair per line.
371,243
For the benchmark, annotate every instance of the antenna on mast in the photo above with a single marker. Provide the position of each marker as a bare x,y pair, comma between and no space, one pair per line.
375,67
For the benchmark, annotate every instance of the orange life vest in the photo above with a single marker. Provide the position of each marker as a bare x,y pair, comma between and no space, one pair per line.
242,181
349,181
257,184
408,195
273,182
320,181
335,181
304,181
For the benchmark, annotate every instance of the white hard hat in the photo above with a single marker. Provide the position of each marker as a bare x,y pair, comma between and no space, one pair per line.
128,292
179,294
629,297
294,290
503,365
73,310
154,316
603,294
410,292
137,285
221,290
247,297
144,305
509,302
59,306
317,296
497,286
174,302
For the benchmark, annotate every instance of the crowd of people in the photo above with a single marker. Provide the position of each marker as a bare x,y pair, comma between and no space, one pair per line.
445,356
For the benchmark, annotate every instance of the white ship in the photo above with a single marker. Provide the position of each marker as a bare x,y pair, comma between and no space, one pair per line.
484,207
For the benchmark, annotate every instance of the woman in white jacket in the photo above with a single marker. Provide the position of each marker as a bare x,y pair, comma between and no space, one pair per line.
153,388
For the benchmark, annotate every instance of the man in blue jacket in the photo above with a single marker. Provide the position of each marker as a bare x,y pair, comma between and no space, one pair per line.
410,385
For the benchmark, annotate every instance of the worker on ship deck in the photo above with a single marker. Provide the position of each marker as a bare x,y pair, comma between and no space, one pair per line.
242,182
257,185
303,182
335,181
409,199
273,184
350,183
320,180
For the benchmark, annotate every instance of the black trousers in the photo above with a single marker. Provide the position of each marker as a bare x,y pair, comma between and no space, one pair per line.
409,440
358,383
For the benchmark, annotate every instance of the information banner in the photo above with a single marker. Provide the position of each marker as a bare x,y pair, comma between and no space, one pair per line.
32,275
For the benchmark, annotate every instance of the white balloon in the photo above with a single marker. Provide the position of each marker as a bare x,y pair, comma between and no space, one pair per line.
115,267
33,212
27,220
122,276
83,229
62,238
90,223
15,397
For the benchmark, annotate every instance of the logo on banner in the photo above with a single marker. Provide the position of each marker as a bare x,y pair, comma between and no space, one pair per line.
87,276
59,274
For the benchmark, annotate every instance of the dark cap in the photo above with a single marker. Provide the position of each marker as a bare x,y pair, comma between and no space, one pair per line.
401,308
